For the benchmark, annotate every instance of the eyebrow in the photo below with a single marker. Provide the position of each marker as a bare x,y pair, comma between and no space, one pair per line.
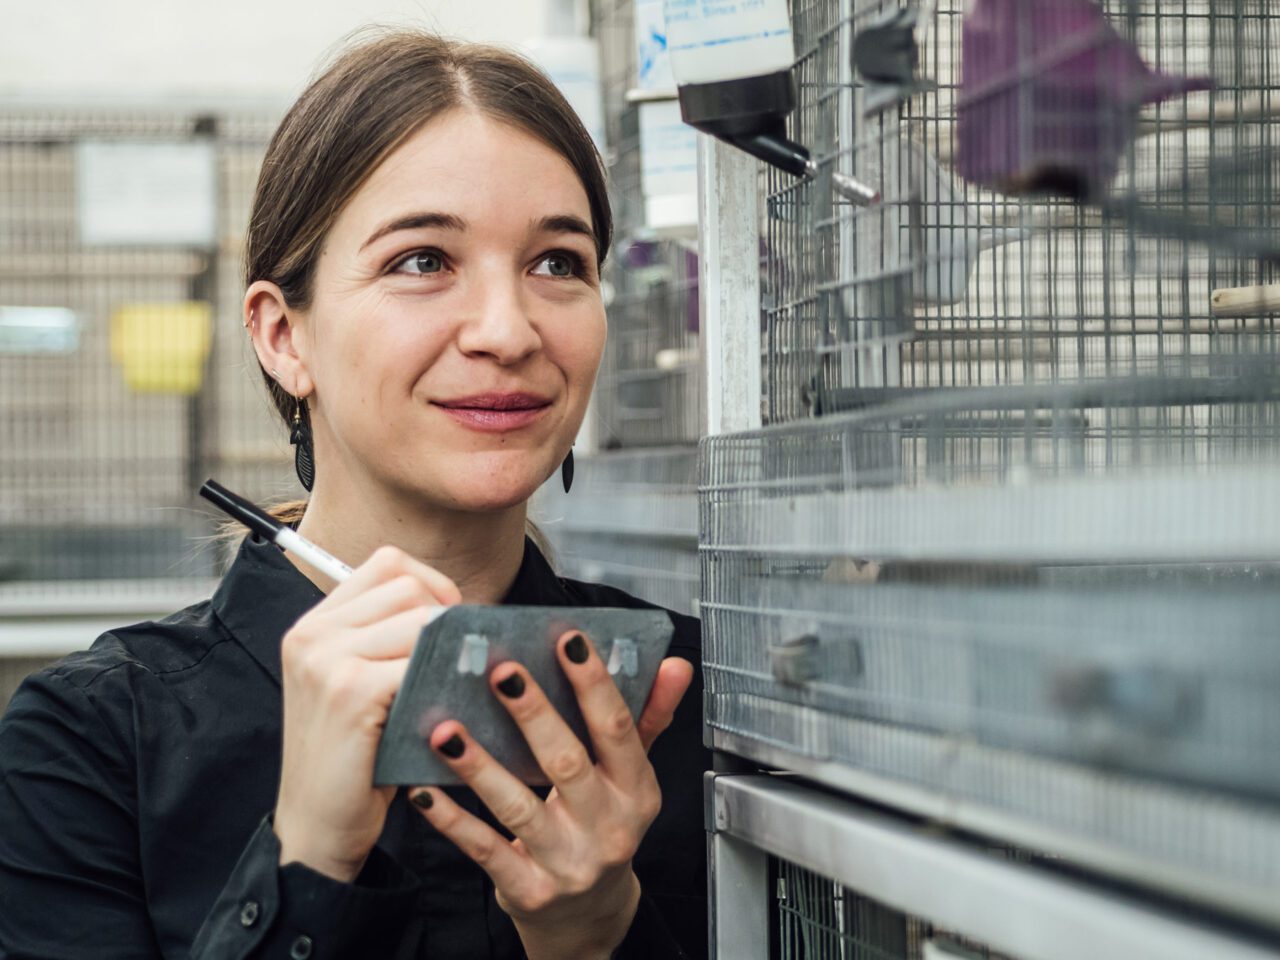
559,223
417,221
564,223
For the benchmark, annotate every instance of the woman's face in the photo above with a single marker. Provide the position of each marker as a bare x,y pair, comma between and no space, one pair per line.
456,325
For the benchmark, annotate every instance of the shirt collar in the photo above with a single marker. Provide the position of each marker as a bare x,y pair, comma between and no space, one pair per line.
262,595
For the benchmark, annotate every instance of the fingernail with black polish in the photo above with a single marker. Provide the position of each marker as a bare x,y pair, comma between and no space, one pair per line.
511,687
422,799
576,649
453,747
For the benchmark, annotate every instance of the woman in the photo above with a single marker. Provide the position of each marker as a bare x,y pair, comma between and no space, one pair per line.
424,299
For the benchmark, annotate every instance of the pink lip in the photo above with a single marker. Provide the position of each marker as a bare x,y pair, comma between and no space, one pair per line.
495,412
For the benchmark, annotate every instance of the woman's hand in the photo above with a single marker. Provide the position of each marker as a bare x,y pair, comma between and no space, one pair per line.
342,664
566,879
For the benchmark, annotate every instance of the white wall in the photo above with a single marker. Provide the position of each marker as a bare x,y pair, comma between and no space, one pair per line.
227,49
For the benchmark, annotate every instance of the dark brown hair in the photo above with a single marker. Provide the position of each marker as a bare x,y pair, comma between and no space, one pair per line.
364,105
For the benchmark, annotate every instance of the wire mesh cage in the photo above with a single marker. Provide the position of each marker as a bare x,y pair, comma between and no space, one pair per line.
1022,432
631,519
1056,628
631,522
647,391
122,377
819,919
1103,228
908,545
649,384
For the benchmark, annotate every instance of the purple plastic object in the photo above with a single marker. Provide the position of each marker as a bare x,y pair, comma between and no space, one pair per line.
648,253
692,296
1049,97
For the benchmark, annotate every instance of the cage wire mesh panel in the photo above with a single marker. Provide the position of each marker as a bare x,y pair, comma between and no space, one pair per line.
820,919
647,391
631,521
125,375
951,284
631,518
1025,556
121,357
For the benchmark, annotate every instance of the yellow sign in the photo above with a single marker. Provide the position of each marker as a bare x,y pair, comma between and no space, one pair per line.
162,347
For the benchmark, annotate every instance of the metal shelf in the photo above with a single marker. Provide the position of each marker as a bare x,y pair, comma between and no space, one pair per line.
1023,909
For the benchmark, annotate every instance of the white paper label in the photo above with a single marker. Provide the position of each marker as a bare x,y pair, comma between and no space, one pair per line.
653,66
668,166
143,193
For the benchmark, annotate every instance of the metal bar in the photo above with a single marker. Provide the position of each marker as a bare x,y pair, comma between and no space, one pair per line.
729,286
645,514
1248,381
1106,802
738,875
1114,519
1021,909
51,599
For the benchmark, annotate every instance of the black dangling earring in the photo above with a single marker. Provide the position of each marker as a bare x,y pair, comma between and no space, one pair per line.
304,461
566,471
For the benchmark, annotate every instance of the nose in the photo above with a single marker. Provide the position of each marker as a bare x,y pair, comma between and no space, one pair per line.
496,324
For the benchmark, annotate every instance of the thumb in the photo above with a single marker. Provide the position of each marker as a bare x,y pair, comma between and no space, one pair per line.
674,676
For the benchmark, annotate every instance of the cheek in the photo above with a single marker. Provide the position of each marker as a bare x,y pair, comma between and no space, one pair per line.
384,345
578,344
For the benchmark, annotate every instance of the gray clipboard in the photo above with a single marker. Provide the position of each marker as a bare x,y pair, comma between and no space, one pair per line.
448,678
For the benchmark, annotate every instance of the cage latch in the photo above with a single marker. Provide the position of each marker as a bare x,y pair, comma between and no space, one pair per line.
886,53
795,661
1152,699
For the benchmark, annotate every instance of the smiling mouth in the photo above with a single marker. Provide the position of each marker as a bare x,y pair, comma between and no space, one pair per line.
496,401
495,412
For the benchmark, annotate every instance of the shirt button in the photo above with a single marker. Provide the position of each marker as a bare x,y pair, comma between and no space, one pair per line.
301,948
249,913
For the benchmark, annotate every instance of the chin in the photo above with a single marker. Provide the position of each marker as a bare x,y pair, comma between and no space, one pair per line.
474,501
484,491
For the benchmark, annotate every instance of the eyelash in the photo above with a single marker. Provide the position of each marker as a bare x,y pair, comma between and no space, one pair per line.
398,262
577,265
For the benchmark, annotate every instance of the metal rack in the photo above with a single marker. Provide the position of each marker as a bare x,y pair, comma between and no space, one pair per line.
631,519
992,548
99,476
98,521
649,383
852,881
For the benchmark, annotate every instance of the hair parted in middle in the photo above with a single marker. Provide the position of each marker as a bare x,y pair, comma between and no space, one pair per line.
373,97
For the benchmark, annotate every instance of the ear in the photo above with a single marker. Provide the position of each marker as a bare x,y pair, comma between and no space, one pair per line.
279,338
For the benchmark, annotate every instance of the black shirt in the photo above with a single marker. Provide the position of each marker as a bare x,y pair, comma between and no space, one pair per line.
139,777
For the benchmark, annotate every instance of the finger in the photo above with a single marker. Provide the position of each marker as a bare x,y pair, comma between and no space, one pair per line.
391,638
384,677
608,718
355,687
387,563
405,592
559,752
382,565
674,677
509,869
512,803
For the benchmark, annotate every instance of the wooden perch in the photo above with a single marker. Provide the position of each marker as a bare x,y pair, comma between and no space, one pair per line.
1245,301
1197,115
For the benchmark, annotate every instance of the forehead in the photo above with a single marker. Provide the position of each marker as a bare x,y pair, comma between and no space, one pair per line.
472,166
